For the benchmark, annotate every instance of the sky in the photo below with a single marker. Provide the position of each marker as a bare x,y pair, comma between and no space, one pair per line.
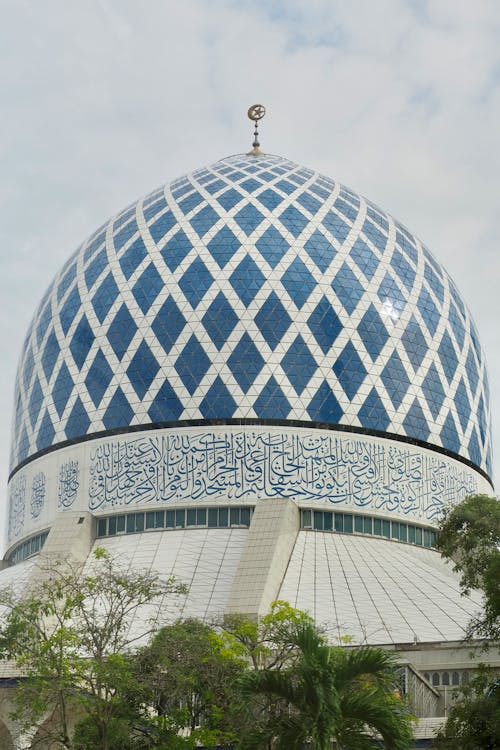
103,100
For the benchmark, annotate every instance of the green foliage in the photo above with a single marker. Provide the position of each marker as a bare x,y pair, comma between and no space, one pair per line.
326,694
470,536
474,719
69,635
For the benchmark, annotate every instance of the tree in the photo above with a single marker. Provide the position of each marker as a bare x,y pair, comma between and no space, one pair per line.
474,719
70,636
188,672
329,696
470,536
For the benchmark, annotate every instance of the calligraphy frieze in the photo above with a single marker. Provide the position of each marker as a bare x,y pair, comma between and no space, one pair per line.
17,506
247,465
37,494
68,483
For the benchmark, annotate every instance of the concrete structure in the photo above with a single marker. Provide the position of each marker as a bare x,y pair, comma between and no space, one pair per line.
260,382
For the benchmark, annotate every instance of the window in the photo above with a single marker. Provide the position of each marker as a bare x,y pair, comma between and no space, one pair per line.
455,678
347,523
358,524
435,679
445,678
328,521
318,520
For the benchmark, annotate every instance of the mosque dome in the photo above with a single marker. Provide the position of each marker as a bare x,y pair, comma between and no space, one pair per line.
254,290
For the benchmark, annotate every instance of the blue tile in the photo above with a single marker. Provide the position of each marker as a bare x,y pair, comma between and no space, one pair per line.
373,332
192,364
337,227
433,390
482,419
434,282
349,370
121,331
474,449
27,368
449,435
403,269
43,323
143,369
176,249
415,423
124,216
270,199
46,432
223,246
299,282
448,356
50,354
188,204
395,379
365,258
245,362
372,414
124,235
161,226
147,287
429,311
93,245
375,235
215,186
286,187
249,218
272,246
98,378
95,268
196,282
414,343
324,406
251,185
456,325
309,202
320,250
324,324
66,281
299,364
69,310
229,199
377,218
346,208
389,292
119,412
247,279
219,320
78,421
472,373
462,405
204,220
166,406
293,220
35,402
82,340
273,320
168,324
155,208
272,402
133,257
62,389
105,296
347,288
218,403
406,243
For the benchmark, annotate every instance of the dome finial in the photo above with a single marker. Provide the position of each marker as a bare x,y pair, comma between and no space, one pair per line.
256,112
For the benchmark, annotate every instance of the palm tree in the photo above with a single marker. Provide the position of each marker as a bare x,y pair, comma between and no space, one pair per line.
328,698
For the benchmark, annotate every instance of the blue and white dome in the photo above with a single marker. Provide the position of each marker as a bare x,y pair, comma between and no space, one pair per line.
253,289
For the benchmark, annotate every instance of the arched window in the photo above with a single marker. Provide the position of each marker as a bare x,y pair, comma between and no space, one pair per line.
455,678
445,678
435,679
465,677
427,676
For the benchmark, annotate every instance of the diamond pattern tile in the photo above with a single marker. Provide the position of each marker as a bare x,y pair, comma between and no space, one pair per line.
308,297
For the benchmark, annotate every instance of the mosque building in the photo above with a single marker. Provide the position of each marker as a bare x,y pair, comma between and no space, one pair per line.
258,381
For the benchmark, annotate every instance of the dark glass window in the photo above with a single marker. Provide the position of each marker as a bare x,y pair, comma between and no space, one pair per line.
403,532
386,529
130,523
201,516
347,523
212,517
328,521
418,535
395,530
101,527
170,519
411,534
245,516
377,526
180,518
445,678
112,524
435,679
358,524
223,516
339,522
318,520
159,519
234,517
191,517
120,524
150,519
367,524
306,516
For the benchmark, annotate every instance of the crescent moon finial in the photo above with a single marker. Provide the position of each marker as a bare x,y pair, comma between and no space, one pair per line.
256,112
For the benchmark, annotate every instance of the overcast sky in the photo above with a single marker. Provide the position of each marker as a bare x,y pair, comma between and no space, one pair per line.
103,100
